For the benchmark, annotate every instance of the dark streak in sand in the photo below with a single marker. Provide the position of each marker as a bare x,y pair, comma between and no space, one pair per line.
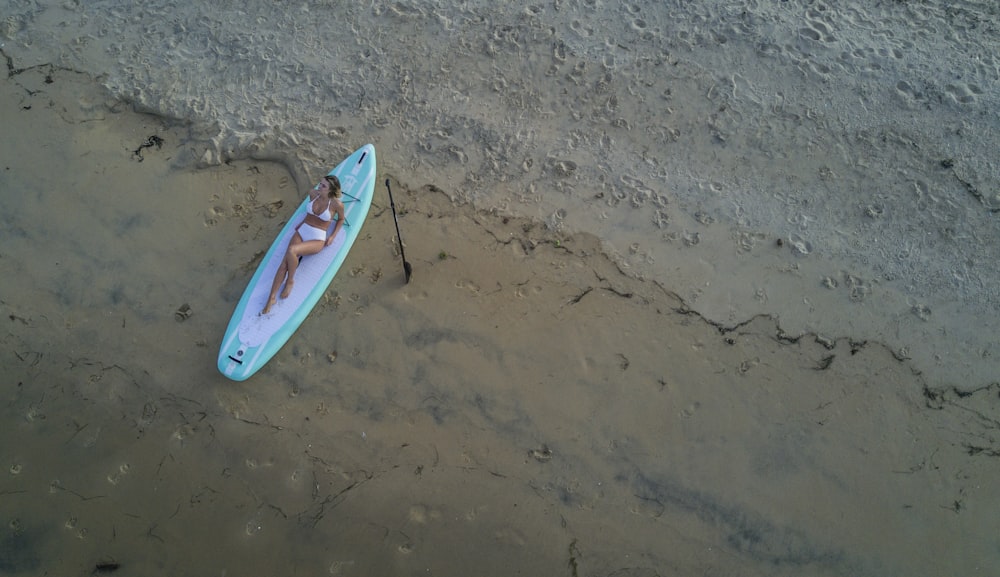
748,533
19,550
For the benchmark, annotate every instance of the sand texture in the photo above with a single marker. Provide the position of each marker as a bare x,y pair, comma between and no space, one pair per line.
527,404
688,136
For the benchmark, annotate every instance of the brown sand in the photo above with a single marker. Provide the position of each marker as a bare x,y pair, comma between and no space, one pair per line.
521,407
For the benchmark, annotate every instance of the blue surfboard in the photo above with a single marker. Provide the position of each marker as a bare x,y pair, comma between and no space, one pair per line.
251,338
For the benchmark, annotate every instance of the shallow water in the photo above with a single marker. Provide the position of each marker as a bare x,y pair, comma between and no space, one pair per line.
522,406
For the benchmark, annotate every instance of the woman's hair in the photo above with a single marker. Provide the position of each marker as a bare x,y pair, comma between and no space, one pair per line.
334,185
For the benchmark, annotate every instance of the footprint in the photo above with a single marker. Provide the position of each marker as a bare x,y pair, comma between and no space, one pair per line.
561,168
810,33
961,93
508,536
459,154
820,68
253,527
148,414
115,477
34,414
213,216
406,11
418,514
559,52
581,29
907,90
542,454
800,246
648,507
183,313
337,567
858,288
182,432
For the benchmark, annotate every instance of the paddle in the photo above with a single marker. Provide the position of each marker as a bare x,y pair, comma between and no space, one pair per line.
407,269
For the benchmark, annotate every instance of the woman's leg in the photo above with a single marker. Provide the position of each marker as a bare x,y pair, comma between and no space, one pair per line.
295,251
279,277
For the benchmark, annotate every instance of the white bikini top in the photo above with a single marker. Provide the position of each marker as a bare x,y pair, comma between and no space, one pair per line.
325,216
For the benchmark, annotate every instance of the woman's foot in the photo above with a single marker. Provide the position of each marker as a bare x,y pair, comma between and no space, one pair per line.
270,303
288,288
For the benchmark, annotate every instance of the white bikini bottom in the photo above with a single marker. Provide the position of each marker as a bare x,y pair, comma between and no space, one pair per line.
309,232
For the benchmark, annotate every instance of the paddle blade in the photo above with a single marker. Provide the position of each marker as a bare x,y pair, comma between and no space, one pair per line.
408,270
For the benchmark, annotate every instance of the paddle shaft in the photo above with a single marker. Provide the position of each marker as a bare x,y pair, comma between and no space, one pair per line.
407,269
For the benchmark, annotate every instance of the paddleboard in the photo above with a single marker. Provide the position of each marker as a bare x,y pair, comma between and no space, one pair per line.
251,338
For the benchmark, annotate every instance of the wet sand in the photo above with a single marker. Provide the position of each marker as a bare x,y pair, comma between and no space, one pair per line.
688,136
522,406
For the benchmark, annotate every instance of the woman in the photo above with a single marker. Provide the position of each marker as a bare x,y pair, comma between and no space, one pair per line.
310,235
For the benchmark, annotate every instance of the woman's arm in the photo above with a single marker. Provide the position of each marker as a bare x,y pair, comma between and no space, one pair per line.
336,226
